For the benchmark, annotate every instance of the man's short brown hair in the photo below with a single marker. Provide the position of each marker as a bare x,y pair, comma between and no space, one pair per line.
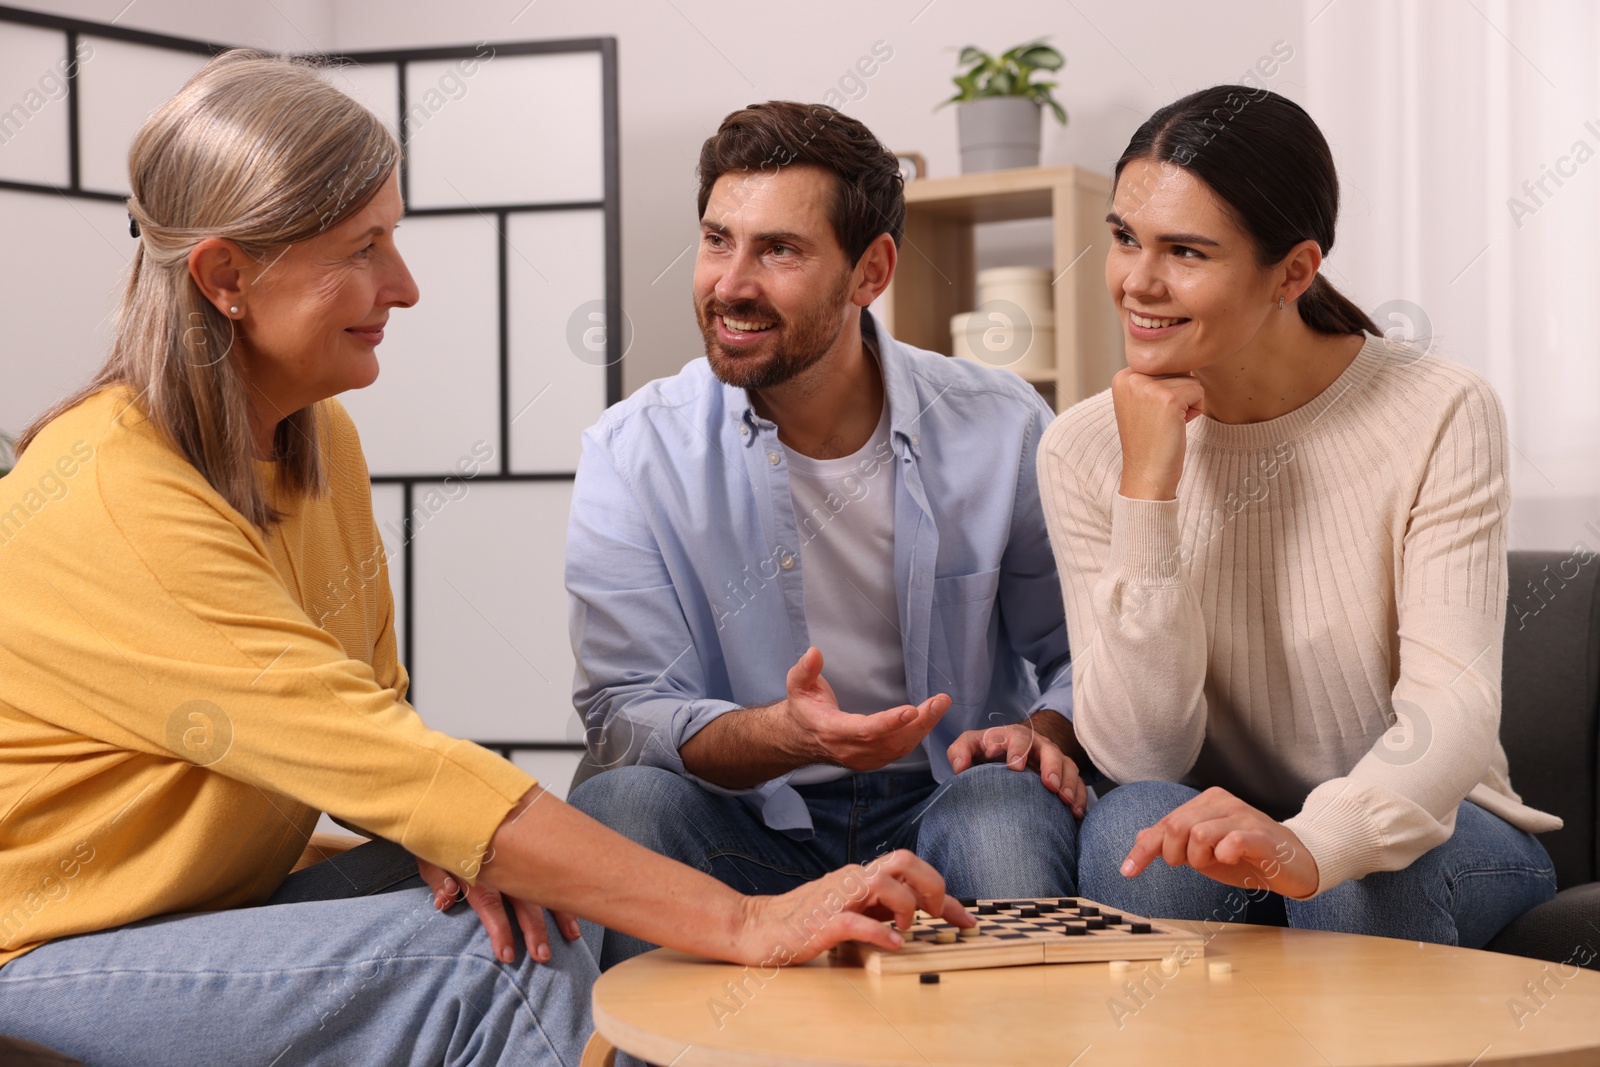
868,189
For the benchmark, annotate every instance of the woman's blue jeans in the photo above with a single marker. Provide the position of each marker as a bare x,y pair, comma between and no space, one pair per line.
348,963
1462,892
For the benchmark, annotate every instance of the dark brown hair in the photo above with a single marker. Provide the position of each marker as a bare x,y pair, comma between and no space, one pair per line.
868,189
1269,163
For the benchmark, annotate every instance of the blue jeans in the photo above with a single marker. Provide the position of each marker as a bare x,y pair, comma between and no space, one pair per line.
1461,892
348,963
991,831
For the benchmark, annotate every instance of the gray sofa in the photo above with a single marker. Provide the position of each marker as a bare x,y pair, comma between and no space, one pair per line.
1550,726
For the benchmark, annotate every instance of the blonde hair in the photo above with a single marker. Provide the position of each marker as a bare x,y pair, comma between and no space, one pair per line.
262,151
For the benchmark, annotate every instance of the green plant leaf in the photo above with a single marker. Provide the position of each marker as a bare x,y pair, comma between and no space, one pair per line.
1009,74
1044,57
967,84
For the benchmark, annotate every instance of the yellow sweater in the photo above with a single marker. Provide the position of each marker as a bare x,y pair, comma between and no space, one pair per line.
180,695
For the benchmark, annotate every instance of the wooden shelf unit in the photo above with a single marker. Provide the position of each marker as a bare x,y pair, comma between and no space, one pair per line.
937,275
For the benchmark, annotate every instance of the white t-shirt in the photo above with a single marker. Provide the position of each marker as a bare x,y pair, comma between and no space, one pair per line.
844,509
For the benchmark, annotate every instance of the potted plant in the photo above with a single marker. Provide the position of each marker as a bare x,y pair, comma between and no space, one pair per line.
999,107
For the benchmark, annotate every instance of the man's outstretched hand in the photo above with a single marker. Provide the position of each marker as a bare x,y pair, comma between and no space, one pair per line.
858,742
744,748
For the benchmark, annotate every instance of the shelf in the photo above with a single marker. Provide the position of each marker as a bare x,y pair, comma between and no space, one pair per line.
994,196
936,277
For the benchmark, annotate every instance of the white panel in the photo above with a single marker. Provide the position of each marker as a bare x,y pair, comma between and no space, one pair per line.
60,280
33,105
117,91
517,130
493,661
553,769
376,87
437,394
388,511
555,268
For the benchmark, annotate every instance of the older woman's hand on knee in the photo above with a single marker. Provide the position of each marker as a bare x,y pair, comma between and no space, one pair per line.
491,905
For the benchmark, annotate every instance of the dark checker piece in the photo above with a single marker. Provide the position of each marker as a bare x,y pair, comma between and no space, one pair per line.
1139,928
1074,931
1086,910
930,978
1111,918
969,902
987,909
1096,924
1029,913
1010,937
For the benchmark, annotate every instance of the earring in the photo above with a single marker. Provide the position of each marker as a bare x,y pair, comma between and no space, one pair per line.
234,310
1280,304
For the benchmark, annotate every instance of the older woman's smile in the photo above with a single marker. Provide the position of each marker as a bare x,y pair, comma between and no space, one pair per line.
373,334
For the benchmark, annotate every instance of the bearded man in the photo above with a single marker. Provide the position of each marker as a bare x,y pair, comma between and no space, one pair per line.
813,603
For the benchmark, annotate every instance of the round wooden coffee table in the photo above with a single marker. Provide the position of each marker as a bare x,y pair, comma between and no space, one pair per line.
1293,997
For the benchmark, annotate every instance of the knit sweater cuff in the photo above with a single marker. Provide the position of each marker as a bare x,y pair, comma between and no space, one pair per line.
1342,838
471,793
1144,540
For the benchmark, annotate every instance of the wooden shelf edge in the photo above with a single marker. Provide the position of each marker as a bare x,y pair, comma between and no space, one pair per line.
990,182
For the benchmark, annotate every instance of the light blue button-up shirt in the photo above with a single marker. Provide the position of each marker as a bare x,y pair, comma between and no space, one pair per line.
684,562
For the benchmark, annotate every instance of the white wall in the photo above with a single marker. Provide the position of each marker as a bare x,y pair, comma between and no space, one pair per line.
282,25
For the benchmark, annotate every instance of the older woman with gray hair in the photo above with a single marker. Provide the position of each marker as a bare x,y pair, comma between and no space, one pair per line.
176,715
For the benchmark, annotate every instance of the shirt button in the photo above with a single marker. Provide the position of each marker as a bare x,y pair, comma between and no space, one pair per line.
787,563
744,431
772,458
915,440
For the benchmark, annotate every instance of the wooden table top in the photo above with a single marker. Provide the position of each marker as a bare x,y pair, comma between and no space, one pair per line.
1293,997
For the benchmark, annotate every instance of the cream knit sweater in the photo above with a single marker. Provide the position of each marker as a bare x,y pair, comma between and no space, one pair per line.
1315,623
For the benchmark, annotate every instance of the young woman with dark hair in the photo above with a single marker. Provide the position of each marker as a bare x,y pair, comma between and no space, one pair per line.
1281,541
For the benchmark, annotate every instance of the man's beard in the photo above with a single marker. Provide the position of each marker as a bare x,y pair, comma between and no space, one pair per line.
795,347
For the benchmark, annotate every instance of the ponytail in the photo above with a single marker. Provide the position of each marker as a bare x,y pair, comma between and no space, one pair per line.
1326,310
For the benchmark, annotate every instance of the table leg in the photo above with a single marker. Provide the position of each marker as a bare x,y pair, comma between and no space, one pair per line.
598,1052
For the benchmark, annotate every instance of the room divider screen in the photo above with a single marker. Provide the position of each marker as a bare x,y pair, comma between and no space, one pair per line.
509,171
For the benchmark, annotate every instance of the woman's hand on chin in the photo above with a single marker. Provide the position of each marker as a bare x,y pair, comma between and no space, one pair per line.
1226,839
1151,414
